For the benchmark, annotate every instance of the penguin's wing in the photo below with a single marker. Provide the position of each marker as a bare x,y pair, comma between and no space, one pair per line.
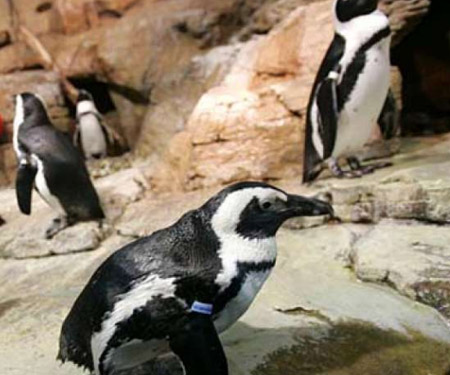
76,137
24,186
388,120
328,112
198,346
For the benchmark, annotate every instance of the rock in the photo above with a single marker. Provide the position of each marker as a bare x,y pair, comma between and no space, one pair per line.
78,238
404,16
76,16
176,95
411,257
250,123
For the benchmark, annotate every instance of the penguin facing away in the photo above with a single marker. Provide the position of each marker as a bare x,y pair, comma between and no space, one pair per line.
90,135
48,162
176,289
349,90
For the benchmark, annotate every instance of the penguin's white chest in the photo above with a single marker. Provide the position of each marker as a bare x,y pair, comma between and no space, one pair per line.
92,138
358,118
237,306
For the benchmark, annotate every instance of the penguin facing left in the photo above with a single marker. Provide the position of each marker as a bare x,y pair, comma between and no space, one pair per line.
90,134
349,91
176,289
49,162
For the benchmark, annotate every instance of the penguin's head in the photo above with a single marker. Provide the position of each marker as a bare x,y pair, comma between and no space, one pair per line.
257,210
84,95
30,110
346,10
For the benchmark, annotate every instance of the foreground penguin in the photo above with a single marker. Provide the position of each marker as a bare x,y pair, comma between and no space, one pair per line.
349,91
91,135
49,162
181,286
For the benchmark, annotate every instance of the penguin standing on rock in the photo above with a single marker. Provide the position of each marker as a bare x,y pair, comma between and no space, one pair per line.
176,289
349,91
90,135
52,165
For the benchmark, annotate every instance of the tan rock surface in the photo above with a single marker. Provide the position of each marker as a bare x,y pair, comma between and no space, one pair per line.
247,124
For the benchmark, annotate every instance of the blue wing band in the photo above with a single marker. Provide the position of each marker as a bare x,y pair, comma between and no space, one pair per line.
202,308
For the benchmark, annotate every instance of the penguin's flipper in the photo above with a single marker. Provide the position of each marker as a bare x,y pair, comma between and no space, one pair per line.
327,103
198,346
389,119
76,137
24,186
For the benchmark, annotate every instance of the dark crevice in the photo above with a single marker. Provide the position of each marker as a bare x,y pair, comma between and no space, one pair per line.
44,7
99,91
5,39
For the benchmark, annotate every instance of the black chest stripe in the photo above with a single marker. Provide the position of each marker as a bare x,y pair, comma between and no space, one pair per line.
355,68
237,282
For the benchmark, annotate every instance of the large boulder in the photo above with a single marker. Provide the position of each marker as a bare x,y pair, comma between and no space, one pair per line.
251,124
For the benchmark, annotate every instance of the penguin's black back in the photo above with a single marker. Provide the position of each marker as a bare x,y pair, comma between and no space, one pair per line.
65,172
187,251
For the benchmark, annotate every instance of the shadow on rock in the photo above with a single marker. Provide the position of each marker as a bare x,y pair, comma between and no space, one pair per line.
355,348
346,348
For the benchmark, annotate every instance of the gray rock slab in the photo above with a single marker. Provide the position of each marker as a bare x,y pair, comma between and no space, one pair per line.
414,258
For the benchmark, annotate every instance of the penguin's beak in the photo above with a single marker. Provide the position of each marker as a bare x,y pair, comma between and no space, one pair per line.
302,206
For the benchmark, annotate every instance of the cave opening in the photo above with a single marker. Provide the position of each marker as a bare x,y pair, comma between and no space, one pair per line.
100,92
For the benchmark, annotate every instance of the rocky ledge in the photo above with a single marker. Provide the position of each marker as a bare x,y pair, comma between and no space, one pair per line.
369,294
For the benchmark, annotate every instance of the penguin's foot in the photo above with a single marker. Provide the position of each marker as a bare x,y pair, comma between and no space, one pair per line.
58,224
339,173
355,165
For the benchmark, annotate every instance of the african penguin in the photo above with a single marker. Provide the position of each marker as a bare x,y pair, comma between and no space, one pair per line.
179,287
90,134
349,90
49,162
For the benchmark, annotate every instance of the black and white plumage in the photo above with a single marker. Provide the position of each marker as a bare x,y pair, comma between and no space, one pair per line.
48,162
90,135
137,304
350,89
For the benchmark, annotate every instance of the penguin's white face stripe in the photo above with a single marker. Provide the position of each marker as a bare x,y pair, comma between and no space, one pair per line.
234,248
226,218
138,296
19,118
86,106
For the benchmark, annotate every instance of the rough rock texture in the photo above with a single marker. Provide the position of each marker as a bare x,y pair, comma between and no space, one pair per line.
251,124
404,16
413,258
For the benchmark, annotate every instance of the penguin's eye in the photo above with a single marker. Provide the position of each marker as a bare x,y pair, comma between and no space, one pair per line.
266,206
